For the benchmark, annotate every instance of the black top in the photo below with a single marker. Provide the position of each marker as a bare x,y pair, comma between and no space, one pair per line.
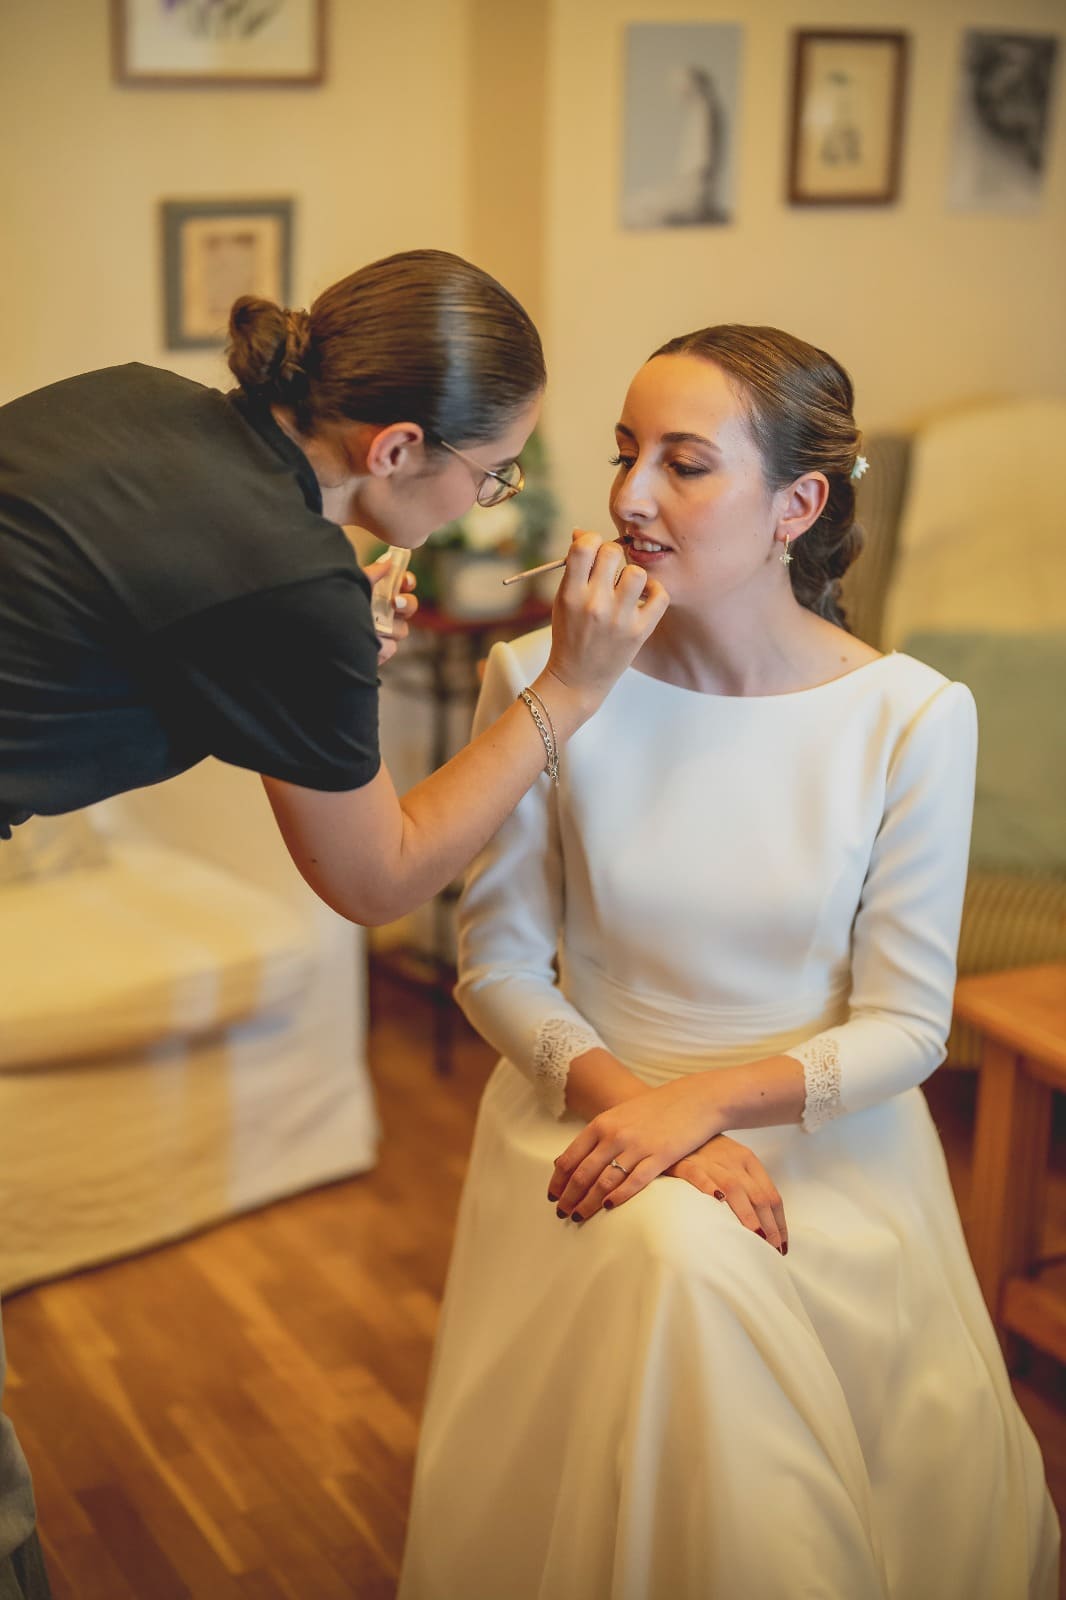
169,589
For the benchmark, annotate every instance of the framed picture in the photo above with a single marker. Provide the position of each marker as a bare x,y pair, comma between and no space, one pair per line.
681,114
847,118
1003,109
215,251
182,42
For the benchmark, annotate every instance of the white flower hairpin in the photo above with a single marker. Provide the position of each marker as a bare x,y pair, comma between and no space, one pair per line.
861,466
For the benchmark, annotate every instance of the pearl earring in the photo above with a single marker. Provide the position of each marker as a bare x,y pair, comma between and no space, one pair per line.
786,557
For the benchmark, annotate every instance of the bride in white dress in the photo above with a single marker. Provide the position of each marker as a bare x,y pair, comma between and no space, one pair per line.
718,960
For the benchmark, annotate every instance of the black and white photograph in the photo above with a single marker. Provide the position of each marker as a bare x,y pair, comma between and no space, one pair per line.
847,117
156,43
681,103
1006,86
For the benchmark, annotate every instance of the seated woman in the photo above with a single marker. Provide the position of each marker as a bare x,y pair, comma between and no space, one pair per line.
743,1351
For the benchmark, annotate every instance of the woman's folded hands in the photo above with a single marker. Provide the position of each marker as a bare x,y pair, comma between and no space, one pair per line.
731,1172
672,1130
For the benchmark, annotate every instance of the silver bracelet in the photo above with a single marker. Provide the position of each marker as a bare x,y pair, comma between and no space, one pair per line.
547,718
551,752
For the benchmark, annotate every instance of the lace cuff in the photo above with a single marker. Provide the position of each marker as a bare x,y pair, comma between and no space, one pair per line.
559,1040
821,1074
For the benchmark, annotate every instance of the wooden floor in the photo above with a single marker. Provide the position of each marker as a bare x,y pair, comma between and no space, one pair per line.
234,1417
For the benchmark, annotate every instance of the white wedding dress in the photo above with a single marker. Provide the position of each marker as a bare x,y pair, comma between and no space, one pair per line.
656,1405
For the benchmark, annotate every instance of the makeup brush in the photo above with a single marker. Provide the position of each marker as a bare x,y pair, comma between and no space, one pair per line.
535,572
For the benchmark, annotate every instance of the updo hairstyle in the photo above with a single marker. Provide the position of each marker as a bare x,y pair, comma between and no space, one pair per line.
422,337
799,408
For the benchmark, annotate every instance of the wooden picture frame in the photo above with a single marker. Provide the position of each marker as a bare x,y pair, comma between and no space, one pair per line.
847,117
195,43
213,252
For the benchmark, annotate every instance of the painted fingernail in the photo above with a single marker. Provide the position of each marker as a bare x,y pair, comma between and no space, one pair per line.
554,1198
608,1205
575,1216
760,1233
718,1195
560,1213
784,1248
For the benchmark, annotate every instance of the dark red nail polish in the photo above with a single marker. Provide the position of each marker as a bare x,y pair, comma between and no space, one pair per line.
718,1195
608,1205
575,1216
760,1233
784,1248
554,1198
559,1212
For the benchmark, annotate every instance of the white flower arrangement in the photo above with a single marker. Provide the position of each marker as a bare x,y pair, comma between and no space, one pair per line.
861,466
491,527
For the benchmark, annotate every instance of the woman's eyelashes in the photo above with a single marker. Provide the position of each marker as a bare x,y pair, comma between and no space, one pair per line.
682,469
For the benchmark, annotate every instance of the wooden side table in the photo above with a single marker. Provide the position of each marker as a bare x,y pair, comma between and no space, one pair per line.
1021,1016
440,663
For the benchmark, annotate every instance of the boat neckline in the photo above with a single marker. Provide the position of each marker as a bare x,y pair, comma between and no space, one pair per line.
788,694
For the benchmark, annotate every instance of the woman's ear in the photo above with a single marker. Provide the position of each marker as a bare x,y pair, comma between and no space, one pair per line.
803,503
397,448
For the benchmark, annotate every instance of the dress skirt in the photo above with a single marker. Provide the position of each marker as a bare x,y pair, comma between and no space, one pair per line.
656,1405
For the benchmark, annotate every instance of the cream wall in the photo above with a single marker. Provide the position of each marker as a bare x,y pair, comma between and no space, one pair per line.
495,129
508,224
925,307
376,160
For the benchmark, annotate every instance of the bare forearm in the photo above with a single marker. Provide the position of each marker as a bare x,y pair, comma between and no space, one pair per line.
758,1094
374,857
595,1080
450,815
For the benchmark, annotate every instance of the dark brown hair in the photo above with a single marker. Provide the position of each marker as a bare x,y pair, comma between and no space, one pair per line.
799,407
422,336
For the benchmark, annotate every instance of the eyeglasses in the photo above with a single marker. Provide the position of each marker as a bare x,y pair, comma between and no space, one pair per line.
495,487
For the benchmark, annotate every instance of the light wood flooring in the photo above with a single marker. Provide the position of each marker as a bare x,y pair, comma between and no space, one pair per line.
234,1417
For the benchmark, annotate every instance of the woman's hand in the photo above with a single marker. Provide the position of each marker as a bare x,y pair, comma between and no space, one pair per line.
406,606
374,857
731,1172
604,610
622,1149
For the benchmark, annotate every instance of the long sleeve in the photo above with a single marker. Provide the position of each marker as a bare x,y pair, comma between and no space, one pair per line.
509,919
906,930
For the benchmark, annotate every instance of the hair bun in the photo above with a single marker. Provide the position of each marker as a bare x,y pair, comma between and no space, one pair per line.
294,349
268,349
421,336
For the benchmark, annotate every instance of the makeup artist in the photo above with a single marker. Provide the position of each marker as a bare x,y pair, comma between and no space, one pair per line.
175,583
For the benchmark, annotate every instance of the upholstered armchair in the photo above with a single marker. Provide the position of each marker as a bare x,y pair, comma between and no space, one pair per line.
963,568
182,1025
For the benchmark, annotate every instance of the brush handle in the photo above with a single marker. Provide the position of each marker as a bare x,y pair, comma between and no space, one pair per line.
535,572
